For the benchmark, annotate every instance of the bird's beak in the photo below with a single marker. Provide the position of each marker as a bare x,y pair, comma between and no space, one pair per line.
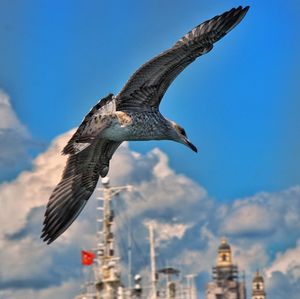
190,145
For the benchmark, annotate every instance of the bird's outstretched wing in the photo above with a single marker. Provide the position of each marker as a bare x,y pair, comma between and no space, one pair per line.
145,89
78,182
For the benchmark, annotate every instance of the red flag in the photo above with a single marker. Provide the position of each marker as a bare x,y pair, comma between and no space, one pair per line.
87,257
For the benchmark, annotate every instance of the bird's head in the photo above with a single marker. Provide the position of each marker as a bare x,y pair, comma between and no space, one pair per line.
179,135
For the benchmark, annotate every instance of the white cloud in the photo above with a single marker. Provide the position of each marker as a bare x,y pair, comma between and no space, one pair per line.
22,207
8,118
31,188
288,261
13,134
199,260
162,169
186,218
265,215
250,218
250,257
283,285
66,290
167,231
261,223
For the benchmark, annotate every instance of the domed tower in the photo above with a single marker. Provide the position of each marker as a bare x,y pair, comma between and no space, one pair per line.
224,254
225,282
224,270
258,287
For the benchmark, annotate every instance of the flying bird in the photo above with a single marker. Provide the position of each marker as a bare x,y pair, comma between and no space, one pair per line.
132,114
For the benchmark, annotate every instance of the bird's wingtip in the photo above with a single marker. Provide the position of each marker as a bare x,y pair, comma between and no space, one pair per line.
245,9
48,239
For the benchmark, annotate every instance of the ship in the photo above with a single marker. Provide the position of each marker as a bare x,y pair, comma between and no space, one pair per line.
107,278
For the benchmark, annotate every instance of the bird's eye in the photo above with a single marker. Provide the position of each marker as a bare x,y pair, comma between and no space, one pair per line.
182,131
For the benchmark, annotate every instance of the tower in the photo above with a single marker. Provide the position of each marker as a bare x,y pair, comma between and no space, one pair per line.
225,270
225,282
258,287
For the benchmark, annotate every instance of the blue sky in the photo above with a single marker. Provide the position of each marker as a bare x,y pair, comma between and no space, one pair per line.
239,105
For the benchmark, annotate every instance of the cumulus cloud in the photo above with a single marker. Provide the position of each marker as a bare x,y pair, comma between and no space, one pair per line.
167,231
283,285
14,137
68,289
264,230
22,207
8,118
185,218
201,260
287,261
283,275
249,219
30,189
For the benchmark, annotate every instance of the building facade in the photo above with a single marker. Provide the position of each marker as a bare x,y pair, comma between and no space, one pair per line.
258,287
225,282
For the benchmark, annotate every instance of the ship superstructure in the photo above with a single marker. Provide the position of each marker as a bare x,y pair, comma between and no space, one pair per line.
108,284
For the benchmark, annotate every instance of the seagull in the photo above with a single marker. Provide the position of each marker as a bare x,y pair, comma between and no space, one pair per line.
132,114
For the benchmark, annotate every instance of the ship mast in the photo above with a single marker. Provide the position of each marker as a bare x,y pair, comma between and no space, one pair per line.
153,262
108,273
192,294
